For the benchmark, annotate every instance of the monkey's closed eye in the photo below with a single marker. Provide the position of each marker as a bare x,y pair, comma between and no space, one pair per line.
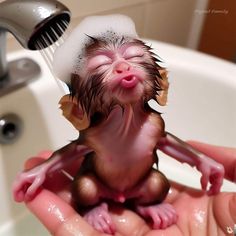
99,61
133,52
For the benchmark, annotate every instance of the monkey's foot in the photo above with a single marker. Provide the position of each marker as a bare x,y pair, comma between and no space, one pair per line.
100,219
162,215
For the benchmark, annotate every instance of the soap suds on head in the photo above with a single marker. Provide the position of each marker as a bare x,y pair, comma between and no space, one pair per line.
68,58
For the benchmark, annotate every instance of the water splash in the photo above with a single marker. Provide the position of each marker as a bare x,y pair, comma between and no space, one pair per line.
48,42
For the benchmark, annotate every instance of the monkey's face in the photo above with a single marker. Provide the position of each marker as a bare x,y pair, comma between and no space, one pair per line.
124,71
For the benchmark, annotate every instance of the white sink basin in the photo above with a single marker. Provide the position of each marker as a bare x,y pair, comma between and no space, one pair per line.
202,101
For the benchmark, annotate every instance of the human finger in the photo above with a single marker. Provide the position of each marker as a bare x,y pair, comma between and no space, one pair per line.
224,211
59,218
37,160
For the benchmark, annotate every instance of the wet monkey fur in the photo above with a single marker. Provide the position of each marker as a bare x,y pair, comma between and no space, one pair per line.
113,76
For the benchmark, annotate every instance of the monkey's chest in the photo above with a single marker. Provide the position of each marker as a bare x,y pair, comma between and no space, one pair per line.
126,143
124,154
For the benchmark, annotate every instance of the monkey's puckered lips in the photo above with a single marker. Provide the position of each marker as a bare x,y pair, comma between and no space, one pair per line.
129,81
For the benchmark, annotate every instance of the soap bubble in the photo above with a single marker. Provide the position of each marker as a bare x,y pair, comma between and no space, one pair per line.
69,57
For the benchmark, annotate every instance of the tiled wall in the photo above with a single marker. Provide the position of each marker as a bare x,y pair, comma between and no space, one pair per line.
164,20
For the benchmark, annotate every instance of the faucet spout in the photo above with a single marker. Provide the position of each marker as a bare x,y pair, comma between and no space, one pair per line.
29,19
35,24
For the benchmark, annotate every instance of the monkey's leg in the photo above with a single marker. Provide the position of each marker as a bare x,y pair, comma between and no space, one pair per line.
89,192
149,204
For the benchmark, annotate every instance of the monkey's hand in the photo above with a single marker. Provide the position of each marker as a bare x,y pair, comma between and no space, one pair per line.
213,173
28,182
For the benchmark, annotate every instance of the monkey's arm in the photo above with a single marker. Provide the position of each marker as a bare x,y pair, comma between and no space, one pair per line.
28,182
212,172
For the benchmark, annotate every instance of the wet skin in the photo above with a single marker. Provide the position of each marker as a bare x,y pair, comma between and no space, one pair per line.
198,213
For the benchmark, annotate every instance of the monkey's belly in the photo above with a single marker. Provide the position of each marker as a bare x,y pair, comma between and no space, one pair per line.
122,177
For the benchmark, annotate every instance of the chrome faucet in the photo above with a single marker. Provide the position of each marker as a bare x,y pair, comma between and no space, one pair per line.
33,23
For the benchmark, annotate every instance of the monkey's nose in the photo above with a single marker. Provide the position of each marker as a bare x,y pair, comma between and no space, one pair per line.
122,67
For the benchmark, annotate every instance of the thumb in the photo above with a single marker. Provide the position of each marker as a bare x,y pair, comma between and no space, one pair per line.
57,216
224,211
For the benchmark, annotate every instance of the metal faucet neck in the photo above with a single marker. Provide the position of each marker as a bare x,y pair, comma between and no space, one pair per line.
36,25
3,61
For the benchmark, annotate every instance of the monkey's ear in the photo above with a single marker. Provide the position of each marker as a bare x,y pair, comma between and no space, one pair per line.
73,112
161,96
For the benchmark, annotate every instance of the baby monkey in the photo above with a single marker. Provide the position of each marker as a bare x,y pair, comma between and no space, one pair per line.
119,135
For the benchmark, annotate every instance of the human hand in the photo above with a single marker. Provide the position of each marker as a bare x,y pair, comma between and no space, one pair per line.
198,214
